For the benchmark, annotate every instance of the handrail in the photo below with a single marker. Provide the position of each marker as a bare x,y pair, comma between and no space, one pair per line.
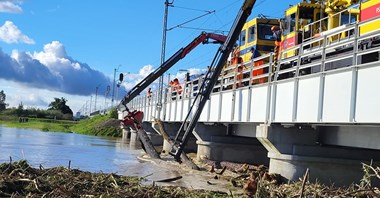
228,76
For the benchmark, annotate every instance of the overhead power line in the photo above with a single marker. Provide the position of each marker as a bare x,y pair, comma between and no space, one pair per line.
209,12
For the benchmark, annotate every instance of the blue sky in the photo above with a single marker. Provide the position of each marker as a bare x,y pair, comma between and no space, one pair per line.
67,48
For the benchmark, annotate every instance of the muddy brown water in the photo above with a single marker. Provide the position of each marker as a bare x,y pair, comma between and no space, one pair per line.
97,154
87,153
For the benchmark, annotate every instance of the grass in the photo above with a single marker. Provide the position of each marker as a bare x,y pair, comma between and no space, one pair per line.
100,125
41,124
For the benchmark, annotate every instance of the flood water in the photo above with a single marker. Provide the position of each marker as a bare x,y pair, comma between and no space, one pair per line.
96,154
87,153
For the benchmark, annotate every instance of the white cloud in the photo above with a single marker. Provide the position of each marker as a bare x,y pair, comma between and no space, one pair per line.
9,33
10,7
51,69
35,78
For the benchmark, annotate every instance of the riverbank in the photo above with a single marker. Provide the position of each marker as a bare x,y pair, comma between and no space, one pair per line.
100,125
36,123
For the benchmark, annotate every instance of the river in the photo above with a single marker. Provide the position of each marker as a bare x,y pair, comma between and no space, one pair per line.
97,154
87,153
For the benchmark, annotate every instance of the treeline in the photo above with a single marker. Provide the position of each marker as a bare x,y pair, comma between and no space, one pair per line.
35,113
57,110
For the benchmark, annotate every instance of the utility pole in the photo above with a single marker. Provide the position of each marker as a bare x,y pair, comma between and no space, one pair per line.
90,105
113,86
161,79
105,97
86,107
96,96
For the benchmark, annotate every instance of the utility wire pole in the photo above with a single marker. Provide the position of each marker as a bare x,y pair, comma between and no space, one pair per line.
96,96
113,85
161,79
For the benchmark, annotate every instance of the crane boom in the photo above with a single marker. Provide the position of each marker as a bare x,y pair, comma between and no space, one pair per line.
181,53
212,76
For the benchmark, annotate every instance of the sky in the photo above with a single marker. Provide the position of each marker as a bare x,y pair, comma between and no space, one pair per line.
72,48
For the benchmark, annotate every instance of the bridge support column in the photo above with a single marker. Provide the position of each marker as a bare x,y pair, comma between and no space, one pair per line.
293,150
154,137
216,143
126,132
134,138
171,129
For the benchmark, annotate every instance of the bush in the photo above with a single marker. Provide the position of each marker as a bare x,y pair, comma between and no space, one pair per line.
114,114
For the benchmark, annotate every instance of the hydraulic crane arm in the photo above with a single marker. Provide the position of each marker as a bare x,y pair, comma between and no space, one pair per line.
212,76
202,38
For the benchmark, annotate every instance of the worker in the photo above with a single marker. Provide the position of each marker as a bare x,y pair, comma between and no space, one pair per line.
149,94
255,53
277,41
176,88
256,72
231,55
239,67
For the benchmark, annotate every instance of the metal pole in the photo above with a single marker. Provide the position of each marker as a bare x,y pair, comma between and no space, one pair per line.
96,96
86,111
90,105
117,92
161,79
105,102
113,87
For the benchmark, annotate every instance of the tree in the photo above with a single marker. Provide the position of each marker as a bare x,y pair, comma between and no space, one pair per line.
60,104
20,109
2,100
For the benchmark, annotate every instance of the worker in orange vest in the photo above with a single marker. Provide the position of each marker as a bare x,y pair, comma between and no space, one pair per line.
239,67
149,94
176,86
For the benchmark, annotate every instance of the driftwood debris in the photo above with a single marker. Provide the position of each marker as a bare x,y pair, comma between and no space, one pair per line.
169,179
304,182
147,143
185,159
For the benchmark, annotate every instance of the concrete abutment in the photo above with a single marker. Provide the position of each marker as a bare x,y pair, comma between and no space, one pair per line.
292,150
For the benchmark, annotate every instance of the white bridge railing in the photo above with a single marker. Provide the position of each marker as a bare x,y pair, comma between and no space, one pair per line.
326,81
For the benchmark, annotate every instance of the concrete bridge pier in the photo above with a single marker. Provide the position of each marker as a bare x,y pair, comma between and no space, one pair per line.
217,142
134,138
126,133
292,150
171,129
155,137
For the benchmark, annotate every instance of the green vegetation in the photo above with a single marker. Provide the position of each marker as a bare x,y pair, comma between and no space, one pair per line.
100,125
2,100
57,110
36,123
60,105
58,117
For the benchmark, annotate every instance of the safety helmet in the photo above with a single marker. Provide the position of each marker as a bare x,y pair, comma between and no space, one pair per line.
273,28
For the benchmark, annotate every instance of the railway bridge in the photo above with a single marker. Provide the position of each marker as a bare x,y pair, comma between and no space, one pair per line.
318,109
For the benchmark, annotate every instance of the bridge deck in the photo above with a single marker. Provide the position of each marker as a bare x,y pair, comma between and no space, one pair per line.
327,83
